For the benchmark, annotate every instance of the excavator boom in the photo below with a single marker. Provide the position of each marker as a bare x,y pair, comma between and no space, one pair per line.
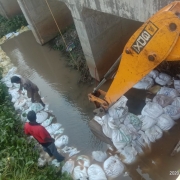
155,41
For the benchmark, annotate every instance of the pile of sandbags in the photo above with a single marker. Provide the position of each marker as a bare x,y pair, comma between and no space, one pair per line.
153,77
130,133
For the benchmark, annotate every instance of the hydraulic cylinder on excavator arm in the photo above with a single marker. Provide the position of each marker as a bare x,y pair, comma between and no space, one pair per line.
155,41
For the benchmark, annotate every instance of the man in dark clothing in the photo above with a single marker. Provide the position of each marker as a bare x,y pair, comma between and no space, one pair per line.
42,136
32,89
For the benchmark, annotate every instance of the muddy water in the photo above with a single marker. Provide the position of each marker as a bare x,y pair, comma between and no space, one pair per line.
68,100
58,84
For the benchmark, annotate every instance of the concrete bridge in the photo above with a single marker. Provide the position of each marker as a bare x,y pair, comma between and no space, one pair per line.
103,26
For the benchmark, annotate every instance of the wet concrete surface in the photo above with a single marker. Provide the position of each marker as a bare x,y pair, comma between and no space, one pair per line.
69,102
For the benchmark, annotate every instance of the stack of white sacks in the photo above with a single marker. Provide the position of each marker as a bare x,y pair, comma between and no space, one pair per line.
130,133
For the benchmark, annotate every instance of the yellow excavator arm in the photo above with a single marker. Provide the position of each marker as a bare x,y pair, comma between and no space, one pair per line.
155,41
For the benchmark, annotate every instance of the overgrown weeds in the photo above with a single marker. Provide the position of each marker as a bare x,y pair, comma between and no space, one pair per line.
18,156
11,25
73,52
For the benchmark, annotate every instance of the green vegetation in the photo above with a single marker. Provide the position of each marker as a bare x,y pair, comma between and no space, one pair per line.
74,52
11,25
18,156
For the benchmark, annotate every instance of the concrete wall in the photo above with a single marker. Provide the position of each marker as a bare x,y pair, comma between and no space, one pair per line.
138,10
41,21
9,8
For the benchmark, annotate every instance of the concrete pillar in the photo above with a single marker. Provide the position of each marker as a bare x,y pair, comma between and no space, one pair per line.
41,21
9,8
107,35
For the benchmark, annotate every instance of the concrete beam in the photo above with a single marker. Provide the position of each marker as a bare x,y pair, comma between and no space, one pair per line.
138,10
9,8
41,21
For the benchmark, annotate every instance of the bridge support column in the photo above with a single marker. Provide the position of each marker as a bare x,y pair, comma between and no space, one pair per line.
40,19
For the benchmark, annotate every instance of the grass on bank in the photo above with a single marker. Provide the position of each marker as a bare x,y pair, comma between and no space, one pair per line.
18,156
11,25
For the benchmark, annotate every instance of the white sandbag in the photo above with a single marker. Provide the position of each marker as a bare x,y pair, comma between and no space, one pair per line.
47,122
8,84
113,167
132,130
41,116
53,128
121,137
28,103
36,107
83,161
165,122
80,173
113,124
152,109
73,152
147,122
98,120
99,156
9,74
15,95
59,131
19,103
143,140
145,83
153,74
120,103
95,172
162,100
41,162
9,35
63,140
176,102
170,92
172,111
105,127
55,163
67,149
163,79
177,85
137,147
68,167
154,133
129,154
134,120
118,113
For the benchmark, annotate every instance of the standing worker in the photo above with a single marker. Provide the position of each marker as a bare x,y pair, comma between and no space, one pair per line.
42,136
32,89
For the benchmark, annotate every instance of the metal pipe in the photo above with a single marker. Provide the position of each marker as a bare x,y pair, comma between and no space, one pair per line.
113,69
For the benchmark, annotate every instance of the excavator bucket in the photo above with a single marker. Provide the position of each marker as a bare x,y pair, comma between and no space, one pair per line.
155,41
